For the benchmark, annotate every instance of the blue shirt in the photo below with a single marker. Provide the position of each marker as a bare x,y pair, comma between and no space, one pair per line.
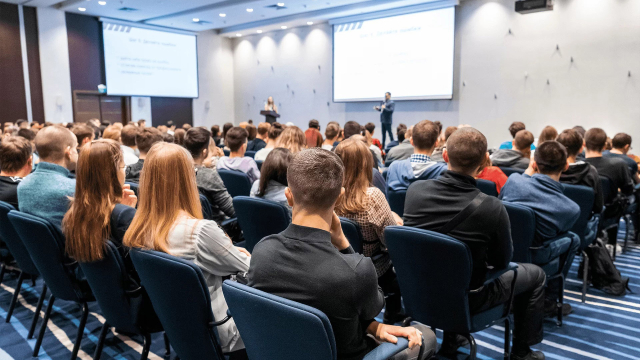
509,145
403,173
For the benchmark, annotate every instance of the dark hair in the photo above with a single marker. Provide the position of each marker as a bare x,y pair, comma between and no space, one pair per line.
595,139
548,133
168,138
424,135
178,136
196,140
388,93
467,149
215,130
523,140
580,130
450,130
370,127
82,131
314,124
236,136
147,137
275,130
21,121
351,128
274,168
315,178
515,127
27,134
571,140
439,125
14,154
128,135
226,128
332,131
251,132
401,130
551,157
618,142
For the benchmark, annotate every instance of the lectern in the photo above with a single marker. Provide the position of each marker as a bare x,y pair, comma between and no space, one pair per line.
270,116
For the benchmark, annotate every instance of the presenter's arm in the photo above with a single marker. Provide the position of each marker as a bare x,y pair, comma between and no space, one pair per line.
390,107
275,108
266,107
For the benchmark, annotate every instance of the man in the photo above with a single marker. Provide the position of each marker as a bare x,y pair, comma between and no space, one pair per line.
84,134
129,148
260,142
621,144
518,157
431,204
437,153
30,135
515,128
46,192
313,135
196,141
145,139
15,163
402,151
236,140
22,124
142,123
614,169
386,112
311,262
419,166
400,131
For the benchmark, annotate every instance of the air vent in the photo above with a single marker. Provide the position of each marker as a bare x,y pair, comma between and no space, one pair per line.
202,22
275,6
128,9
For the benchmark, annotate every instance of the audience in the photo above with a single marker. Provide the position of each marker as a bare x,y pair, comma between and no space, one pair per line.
142,123
273,177
331,134
548,133
311,262
112,133
30,135
274,133
16,158
178,136
84,134
437,153
377,153
400,131
313,135
371,127
215,134
144,141
621,144
251,132
236,140
226,127
128,147
615,169
514,128
492,173
518,157
259,142
432,204
402,151
292,138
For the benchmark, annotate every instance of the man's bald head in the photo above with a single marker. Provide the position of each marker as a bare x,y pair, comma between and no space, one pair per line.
53,141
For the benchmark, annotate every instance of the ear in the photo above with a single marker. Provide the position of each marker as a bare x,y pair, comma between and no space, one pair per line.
534,166
513,143
445,155
30,162
67,152
289,196
411,141
566,166
581,148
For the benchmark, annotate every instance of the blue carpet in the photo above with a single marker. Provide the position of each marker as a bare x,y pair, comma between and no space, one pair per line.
605,327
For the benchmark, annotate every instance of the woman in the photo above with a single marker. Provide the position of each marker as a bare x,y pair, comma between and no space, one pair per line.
548,133
367,205
169,219
215,134
492,173
292,138
275,131
273,177
374,149
226,127
178,136
270,105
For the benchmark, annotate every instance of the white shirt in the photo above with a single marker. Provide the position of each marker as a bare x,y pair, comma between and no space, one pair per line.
129,155
261,155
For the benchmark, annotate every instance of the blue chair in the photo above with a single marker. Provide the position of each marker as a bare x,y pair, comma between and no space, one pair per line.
250,154
353,233
508,171
236,182
207,211
384,174
181,299
388,163
396,201
259,163
607,222
135,187
114,292
45,244
434,273
259,218
226,152
24,262
274,328
487,187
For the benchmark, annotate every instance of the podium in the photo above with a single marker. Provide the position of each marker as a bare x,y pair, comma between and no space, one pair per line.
270,116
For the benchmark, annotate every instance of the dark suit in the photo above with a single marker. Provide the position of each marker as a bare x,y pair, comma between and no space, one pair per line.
386,119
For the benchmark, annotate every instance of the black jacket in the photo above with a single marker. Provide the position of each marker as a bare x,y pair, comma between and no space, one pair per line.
617,171
581,173
132,172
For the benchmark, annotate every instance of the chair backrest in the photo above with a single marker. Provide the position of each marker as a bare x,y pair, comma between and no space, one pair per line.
259,163
523,230
352,231
14,243
250,153
207,211
584,197
608,189
236,182
108,281
396,201
487,187
44,244
180,297
384,173
388,163
259,218
508,171
226,152
434,287
274,328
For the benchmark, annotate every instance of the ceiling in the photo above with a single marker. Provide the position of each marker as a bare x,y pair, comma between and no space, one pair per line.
265,15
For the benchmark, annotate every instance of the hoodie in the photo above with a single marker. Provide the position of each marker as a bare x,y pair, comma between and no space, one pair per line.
509,158
581,173
402,173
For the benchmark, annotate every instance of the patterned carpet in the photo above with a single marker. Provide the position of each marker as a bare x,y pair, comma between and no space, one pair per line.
604,327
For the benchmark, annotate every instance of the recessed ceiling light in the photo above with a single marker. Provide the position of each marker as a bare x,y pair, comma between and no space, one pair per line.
222,14
309,22
238,35
82,9
249,10
259,31
102,2
283,27
196,20
280,4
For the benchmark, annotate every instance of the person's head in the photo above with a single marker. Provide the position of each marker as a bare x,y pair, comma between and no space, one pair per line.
243,125
270,100
168,138
608,145
215,131
595,140
163,128
112,133
274,168
401,131
178,136
27,134
128,135
225,128
370,127
186,126
620,142
99,179
332,131
250,122
448,131
84,133
275,131
263,130
251,132
292,138
355,156
408,133
146,138
22,124
387,95
118,125
168,190
548,133
515,127
314,124
550,158
15,156
351,128
58,145
196,141
236,140
523,140
581,130
142,123
424,136
572,142
466,151
315,181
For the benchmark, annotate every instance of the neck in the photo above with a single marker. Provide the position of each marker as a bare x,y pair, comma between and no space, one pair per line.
142,156
554,177
132,147
262,137
593,154
236,154
572,159
271,143
59,162
473,174
198,161
617,151
329,141
320,221
427,152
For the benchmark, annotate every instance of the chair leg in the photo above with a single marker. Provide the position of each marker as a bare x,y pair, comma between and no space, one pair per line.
103,335
167,345
627,220
560,300
43,328
507,338
14,300
585,276
473,349
2,270
146,346
36,315
83,322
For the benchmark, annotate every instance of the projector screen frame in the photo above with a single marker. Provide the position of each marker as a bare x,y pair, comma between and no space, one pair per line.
387,14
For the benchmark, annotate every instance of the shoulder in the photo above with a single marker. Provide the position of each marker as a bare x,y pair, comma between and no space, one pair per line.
375,194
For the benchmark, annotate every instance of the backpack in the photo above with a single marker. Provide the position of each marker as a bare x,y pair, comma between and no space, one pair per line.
602,271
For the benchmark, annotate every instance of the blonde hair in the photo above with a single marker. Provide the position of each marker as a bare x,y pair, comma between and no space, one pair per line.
358,174
292,138
167,188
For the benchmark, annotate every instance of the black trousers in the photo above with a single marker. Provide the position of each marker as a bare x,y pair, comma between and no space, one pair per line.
386,128
388,282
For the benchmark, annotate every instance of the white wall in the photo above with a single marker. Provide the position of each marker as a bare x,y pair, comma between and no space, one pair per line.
141,109
54,65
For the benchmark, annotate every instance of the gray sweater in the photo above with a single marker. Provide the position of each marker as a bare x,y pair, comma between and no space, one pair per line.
210,185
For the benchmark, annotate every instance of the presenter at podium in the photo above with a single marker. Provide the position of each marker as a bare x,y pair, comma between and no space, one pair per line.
270,105
386,111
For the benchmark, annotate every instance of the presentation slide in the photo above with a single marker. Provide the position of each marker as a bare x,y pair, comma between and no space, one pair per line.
410,56
144,62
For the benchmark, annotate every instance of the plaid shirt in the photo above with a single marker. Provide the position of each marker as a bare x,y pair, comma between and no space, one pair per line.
419,158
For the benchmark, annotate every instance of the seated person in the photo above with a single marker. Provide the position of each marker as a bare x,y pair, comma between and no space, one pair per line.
437,153
375,150
431,204
313,135
273,177
46,192
492,173
518,157
272,137
173,224
402,151
260,141
331,134
15,163
196,141
145,139
579,172
400,131
615,169
419,166
237,142
129,148
621,144
311,262
371,128
514,128
84,134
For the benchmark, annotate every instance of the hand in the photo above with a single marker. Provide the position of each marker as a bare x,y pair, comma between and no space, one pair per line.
530,170
129,198
398,219
383,106
243,250
376,108
390,333
337,236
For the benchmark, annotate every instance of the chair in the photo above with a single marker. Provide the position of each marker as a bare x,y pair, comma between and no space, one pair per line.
259,218
226,152
508,171
207,211
384,174
109,281
259,163
609,192
487,187
435,288
250,154
396,201
45,244
24,262
352,231
181,299
388,163
274,328
236,182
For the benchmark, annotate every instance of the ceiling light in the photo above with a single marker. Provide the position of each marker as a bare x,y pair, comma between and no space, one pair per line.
249,10
280,4
259,31
283,27
222,14
82,9
238,35
196,20
309,22
102,2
